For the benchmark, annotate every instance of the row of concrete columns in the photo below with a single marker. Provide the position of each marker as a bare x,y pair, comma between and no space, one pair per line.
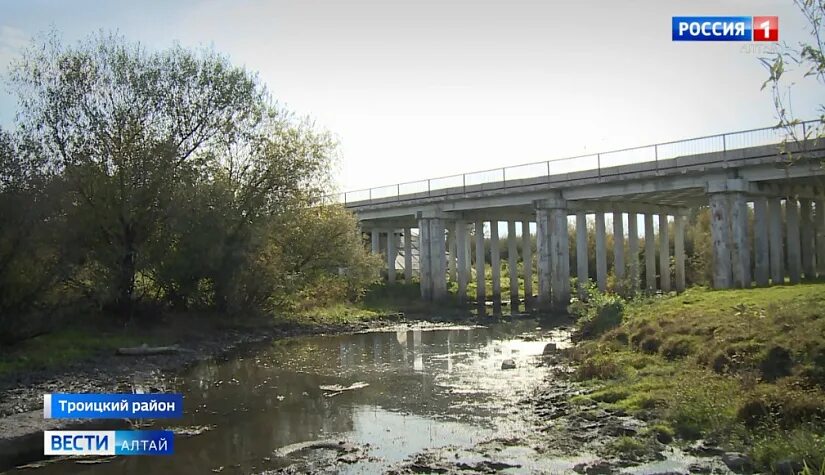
801,236
437,235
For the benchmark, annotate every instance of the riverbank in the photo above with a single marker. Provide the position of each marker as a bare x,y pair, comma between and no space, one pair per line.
84,360
733,371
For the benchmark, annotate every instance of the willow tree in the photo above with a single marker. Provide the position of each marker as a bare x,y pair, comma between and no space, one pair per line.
134,133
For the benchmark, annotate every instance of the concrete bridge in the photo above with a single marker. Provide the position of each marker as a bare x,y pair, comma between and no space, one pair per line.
737,174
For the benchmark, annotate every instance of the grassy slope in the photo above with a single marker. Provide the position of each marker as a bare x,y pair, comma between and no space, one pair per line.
743,367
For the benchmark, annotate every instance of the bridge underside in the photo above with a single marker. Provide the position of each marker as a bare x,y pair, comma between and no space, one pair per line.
767,225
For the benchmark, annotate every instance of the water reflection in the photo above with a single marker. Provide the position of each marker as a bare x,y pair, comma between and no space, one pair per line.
427,388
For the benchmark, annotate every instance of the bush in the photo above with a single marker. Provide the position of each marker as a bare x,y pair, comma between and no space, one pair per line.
601,313
599,367
678,347
777,363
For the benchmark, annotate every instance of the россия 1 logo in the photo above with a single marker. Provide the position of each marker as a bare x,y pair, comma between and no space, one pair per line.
725,28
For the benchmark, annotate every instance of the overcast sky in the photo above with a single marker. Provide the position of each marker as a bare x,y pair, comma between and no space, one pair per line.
415,88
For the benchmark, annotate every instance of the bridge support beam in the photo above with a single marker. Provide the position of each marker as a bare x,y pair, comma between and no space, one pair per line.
775,240
432,258
679,250
512,265
543,227
581,253
740,250
408,261
601,253
527,261
392,254
664,254
761,247
452,254
720,236
633,248
554,253
468,251
481,282
495,262
650,254
819,225
618,244
794,250
807,233
559,259
375,238
461,257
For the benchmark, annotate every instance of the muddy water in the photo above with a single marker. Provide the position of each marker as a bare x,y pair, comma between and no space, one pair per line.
426,388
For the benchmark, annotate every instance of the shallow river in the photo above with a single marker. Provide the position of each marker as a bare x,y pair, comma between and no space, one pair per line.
426,388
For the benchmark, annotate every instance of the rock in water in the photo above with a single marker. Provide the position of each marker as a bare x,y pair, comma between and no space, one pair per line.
737,462
550,349
508,364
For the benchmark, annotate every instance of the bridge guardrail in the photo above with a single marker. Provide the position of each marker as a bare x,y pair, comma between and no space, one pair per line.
497,178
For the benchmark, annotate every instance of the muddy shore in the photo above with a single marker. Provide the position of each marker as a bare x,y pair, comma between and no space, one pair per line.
21,394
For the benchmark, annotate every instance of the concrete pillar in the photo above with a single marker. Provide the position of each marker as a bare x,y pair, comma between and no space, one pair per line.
468,254
679,251
559,258
424,268
794,247
664,254
819,226
480,278
452,254
720,236
582,271
740,250
438,257
392,254
618,244
375,237
650,254
461,258
495,261
807,233
543,253
408,261
633,248
761,248
775,241
527,259
432,258
512,264
601,253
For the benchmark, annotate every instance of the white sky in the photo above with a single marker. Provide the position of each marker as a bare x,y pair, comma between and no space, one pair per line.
416,89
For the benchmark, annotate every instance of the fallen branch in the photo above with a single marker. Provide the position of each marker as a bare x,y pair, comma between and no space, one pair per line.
145,350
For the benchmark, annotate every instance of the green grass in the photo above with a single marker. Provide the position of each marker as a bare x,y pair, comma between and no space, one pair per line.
744,367
62,348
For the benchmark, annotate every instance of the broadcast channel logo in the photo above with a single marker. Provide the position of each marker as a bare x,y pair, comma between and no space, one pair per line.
108,442
725,28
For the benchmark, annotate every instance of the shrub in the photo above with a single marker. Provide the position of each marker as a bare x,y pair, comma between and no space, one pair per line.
650,344
601,313
678,347
777,363
803,446
599,367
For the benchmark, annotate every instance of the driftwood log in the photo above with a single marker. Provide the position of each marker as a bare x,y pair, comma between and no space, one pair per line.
145,350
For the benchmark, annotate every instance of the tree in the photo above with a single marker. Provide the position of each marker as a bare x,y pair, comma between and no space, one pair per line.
125,127
810,57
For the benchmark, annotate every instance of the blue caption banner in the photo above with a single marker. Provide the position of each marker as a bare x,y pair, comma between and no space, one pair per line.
712,28
108,442
112,406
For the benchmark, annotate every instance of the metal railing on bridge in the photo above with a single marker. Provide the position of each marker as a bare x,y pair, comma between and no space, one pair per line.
498,178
